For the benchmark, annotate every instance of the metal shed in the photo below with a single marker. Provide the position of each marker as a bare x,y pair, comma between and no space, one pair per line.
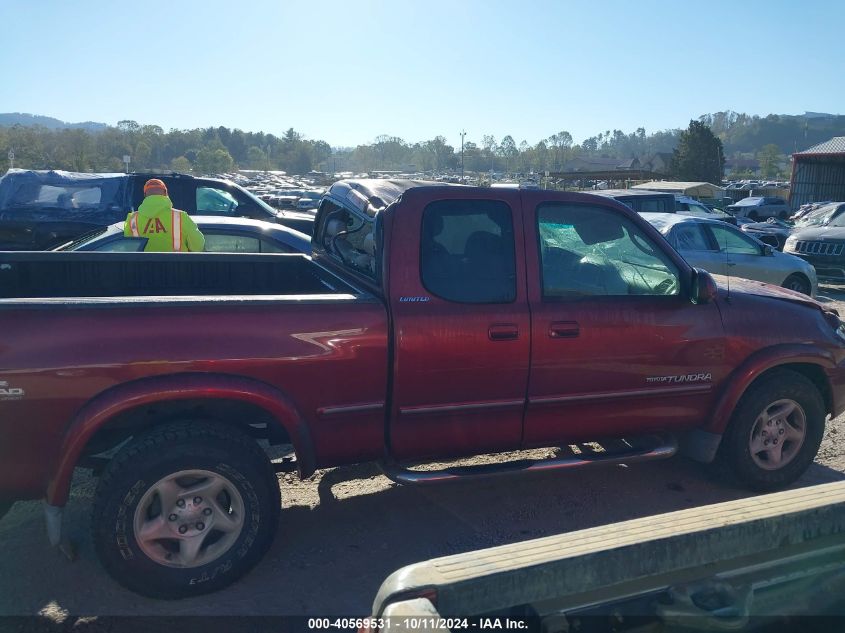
693,189
818,173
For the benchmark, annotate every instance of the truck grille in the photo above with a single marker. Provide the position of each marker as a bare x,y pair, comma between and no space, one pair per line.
819,248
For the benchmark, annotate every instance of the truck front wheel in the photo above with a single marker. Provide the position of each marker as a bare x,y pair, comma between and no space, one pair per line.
775,431
185,509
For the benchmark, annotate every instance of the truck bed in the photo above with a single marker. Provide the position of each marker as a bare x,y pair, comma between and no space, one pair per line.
91,274
107,321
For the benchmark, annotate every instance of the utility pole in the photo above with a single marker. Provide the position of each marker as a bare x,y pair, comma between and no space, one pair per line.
11,159
463,134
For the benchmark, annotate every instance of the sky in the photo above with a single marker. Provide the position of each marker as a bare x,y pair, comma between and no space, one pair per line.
346,72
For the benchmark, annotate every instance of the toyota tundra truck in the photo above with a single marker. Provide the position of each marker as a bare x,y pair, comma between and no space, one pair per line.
432,322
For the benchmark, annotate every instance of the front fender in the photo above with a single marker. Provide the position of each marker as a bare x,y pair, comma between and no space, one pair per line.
755,365
98,411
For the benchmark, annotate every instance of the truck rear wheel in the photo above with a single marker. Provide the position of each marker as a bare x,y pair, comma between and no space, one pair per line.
775,431
185,509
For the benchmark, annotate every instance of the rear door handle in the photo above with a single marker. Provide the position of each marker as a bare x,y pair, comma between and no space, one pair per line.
564,329
503,332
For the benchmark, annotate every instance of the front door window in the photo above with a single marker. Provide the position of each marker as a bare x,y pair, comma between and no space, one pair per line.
586,250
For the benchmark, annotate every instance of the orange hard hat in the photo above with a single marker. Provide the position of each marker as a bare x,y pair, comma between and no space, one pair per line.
155,187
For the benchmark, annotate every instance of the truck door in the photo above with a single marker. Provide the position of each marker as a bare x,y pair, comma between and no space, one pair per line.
461,332
618,348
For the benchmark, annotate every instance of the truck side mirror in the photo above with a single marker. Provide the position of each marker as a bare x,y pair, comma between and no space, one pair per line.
768,250
704,288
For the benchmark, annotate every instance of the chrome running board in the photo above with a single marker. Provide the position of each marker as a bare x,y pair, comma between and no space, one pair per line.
660,448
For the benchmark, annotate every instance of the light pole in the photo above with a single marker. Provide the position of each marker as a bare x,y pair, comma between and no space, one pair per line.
11,159
463,134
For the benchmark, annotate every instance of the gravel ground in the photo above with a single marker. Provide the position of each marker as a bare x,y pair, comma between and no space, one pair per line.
344,530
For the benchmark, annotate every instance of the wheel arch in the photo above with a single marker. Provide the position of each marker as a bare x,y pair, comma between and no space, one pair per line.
808,360
125,406
802,275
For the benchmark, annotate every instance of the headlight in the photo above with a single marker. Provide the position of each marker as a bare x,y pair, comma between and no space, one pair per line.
789,245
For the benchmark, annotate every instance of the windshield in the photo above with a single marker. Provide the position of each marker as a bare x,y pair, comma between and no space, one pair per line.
87,237
258,201
822,217
748,202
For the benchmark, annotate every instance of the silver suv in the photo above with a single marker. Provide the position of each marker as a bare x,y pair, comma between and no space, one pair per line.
759,208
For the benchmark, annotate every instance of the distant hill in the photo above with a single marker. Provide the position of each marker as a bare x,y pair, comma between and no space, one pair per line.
790,132
20,118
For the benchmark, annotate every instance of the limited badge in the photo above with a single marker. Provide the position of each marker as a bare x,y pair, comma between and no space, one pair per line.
8,392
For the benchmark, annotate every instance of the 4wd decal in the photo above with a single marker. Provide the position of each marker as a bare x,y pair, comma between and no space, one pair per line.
681,378
10,393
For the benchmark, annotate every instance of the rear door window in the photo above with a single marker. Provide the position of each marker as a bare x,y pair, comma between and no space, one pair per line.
467,251
689,236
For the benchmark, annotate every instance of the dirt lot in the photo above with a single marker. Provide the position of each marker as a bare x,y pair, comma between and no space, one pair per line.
345,529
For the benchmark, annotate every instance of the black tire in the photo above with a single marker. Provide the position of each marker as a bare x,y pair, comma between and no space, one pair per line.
735,450
798,283
148,459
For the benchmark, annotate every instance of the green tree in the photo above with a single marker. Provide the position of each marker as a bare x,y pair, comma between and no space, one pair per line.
181,164
769,157
699,156
508,151
214,161
256,158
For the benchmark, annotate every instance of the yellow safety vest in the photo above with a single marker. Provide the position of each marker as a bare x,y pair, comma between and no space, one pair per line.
175,232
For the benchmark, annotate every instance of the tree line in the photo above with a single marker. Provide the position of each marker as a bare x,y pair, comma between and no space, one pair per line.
220,149
203,151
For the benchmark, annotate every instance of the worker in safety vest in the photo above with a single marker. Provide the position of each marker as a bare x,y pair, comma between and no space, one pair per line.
166,229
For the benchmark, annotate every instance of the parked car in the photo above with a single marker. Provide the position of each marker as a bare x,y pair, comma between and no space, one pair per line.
820,240
776,232
722,249
304,204
40,210
432,322
759,208
222,235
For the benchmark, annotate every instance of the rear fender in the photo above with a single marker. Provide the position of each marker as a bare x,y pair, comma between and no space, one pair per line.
97,412
754,366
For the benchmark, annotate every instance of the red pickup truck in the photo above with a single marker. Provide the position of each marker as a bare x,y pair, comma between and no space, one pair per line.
433,322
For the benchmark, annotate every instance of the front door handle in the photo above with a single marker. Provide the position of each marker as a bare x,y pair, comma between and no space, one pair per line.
564,329
503,332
